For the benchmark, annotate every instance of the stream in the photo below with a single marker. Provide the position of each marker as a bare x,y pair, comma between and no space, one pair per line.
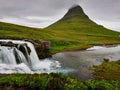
78,62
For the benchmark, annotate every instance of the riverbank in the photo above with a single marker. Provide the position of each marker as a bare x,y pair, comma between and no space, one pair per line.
79,47
107,70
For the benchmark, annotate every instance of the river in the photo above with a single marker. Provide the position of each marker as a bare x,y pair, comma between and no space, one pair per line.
78,62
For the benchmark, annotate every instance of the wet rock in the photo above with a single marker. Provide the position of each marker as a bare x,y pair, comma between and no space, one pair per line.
42,48
16,56
24,49
106,59
10,44
47,45
46,48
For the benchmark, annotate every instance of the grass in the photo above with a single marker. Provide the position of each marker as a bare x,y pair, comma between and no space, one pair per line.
53,82
107,70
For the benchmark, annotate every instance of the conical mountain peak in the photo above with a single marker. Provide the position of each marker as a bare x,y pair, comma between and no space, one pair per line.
75,15
76,11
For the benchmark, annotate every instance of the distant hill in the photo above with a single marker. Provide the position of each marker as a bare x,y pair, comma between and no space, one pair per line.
8,30
74,31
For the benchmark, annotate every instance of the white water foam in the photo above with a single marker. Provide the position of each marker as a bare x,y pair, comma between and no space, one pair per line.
96,47
8,62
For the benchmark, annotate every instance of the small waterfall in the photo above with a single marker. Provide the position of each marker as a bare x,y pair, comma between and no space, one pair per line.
17,60
20,58
28,56
7,55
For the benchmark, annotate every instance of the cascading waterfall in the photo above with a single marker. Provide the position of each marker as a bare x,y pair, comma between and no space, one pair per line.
20,58
13,60
6,55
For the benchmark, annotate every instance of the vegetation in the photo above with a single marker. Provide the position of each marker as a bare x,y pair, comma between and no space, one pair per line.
53,82
107,70
73,32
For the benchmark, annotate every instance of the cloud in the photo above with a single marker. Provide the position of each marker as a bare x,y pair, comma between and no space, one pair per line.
105,12
34,7
34,13
41,13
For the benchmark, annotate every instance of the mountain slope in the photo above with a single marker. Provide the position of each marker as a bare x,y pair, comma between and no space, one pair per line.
76,19
13,31
74,31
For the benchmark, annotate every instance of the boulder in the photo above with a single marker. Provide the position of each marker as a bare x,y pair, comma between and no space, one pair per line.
106,59
9,44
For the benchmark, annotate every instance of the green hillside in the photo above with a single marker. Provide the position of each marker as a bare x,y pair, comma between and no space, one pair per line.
74,31
16,32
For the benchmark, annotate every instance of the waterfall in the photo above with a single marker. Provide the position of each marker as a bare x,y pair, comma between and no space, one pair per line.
20,58
14,60
7,55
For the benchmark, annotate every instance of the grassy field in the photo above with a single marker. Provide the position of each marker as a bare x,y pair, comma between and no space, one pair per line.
74,31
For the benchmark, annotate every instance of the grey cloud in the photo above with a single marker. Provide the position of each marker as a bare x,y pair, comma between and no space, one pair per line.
34,7
105,9
103,12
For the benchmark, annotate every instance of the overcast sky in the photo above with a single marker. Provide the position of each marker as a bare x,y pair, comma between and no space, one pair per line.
41,13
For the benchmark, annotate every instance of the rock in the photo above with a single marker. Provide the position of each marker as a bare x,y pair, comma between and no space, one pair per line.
46,48
10,44
47,45
106,59
24,49
16,56
42,48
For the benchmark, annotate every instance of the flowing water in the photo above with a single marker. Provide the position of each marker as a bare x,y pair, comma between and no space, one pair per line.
79,62
12,60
